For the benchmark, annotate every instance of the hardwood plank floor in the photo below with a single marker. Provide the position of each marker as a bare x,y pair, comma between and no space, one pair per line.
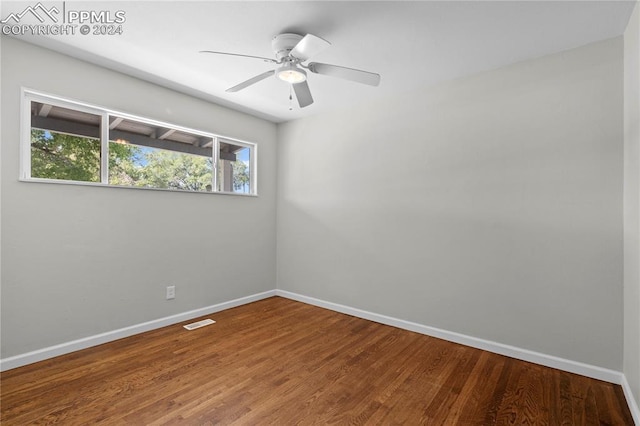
282,362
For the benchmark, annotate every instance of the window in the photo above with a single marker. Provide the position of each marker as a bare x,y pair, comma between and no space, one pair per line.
73,142
60,151
150,156
234,170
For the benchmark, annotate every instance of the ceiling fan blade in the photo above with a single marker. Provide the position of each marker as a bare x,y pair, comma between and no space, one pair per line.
303,94
237,54
364,77
309,46
251,81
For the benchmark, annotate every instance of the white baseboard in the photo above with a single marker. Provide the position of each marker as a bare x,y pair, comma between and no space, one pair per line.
633,406
587,370
98,339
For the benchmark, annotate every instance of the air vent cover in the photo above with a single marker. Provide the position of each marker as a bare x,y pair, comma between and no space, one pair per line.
199,324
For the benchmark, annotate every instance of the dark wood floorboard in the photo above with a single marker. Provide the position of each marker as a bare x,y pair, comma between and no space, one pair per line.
282,362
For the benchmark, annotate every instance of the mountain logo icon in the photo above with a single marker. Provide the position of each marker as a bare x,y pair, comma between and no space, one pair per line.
38,10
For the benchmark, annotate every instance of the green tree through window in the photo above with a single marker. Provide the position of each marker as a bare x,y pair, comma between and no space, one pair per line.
60,156
240,176
67,157
73,142
173,170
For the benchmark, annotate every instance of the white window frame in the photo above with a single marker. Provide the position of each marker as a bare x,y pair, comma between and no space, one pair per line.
28,96
252,163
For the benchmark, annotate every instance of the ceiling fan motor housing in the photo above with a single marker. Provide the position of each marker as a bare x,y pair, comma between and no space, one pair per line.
282,44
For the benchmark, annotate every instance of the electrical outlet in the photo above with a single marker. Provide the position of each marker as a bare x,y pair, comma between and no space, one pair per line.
171,292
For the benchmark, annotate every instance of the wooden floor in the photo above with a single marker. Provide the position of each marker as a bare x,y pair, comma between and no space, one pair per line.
281,362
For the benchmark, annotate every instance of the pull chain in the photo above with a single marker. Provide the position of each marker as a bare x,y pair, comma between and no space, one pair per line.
290,97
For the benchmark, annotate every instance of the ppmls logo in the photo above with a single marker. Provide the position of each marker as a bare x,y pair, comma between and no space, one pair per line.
58,20
33,10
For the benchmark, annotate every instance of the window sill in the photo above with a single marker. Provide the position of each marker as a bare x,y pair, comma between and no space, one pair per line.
101,185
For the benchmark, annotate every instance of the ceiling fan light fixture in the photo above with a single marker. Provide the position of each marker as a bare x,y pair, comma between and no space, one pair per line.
291,74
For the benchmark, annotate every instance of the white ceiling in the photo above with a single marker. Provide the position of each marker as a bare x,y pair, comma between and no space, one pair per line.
409,44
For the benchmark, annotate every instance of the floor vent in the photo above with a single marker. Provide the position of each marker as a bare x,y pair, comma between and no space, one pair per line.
199,324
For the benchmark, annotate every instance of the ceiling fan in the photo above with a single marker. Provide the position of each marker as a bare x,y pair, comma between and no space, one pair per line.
291,50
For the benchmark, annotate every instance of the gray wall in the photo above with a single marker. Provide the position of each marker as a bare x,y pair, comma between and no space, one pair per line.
489,206
632,204
78,260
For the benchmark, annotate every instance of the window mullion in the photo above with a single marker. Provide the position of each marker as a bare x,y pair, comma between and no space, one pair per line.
214,168
253,164
104,149
25,134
